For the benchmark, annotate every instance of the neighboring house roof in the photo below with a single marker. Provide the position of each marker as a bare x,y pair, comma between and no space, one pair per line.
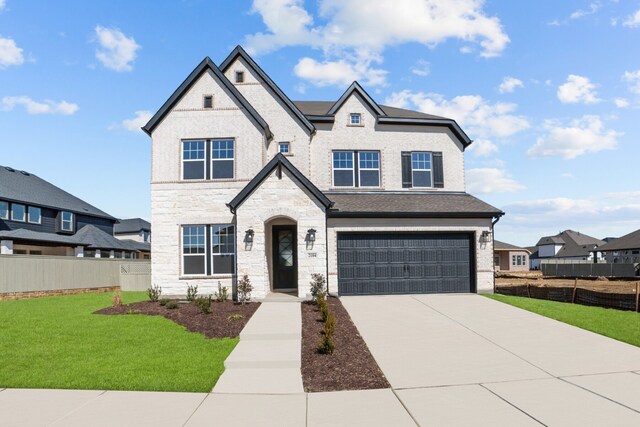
25,187
240,52
134,245
356,88
89,236
533,250
574,244
131,225
204,66
279,161
628,241
389,204
502,246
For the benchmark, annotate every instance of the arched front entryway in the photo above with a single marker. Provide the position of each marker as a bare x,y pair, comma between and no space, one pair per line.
281,235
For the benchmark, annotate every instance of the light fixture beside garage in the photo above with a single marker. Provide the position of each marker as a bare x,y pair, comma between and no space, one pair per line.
485,237
248,236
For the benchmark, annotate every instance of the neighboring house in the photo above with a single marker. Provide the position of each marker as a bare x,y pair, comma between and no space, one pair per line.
568,245
623,250
508,257
38,218
135,232
245,181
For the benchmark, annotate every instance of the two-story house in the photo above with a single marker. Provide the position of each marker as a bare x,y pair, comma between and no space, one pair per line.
136,233
38,218
246,181
566,246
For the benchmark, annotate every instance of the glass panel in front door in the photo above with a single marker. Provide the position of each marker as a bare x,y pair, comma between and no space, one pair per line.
285,248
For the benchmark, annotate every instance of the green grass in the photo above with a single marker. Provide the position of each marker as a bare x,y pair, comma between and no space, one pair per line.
57,342
617,324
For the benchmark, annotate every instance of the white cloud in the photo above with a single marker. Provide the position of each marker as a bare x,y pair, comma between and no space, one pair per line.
491,180
509,84
568,175
339,72
621,102
580,13
483,148
141,118
35,107
633,79
3,3
358,31
633,20
421,68
577,89
581,136
117,51
10,53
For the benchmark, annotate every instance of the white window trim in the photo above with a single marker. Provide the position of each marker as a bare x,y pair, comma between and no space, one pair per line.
8,210
352,169
360,123
70,221
182,273
39,221
204,161
24,218
234,254
233,159
360,169
413,185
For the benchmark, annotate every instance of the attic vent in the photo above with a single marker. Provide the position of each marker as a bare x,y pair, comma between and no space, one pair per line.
25,173
9,169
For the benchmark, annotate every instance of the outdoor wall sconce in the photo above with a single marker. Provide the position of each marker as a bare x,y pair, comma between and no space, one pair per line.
485,237
248,238
311,235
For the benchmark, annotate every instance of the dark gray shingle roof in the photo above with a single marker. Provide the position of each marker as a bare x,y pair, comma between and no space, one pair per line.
133,245
131,225
398,204
89,236
574,244
628,241
502,246
320,108
30,189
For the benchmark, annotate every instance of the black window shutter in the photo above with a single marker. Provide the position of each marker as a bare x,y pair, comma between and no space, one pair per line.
406,169
438,172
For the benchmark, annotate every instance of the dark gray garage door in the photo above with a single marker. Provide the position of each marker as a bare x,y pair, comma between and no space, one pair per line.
397,263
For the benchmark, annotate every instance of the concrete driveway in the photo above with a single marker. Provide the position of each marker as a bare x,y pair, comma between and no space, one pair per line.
469,360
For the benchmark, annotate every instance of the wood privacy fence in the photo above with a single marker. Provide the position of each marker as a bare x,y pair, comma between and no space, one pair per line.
35,273
581,269
576,295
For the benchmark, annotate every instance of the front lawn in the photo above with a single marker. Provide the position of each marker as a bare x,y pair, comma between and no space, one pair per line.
616,324
58,342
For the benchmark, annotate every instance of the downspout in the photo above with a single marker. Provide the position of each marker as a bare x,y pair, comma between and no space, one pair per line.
493,251
326,244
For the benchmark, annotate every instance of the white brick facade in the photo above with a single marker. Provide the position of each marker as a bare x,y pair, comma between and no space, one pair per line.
282,200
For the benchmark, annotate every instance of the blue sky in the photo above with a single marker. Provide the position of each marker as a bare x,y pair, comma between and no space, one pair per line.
549,90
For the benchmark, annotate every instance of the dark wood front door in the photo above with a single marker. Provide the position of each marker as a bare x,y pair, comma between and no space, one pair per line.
285,262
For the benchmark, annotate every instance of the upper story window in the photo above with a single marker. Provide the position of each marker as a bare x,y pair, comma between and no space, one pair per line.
4,210
355,119
35,215
239,76
422,169
222,158
283,147
363,173
66,221
207,101
18,212
208,159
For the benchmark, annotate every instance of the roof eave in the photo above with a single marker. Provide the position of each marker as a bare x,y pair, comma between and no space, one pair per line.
348,214
451,124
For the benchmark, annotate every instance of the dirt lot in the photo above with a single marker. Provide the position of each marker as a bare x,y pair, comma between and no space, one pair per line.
535,279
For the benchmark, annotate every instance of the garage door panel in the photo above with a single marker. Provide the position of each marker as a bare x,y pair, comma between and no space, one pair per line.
386,263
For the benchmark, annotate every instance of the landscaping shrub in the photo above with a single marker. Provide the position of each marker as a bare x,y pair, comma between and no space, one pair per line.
222,294
244,289
324,308
132,311
192,292
116,301
236,316
172,305
203,303
164,301
330,325
326,345
318,286
154,293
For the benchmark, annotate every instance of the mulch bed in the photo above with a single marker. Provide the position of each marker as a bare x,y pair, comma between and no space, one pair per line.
350,367
213,325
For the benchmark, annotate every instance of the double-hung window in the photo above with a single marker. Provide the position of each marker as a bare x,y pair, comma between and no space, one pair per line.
208,249
35,215
356,169
208,159
193,159
421,169
66,221
4,210
222,158
18,212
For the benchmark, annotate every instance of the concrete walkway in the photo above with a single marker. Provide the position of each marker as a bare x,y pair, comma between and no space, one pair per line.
451,360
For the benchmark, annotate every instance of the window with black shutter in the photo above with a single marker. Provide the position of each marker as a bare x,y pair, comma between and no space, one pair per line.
422,169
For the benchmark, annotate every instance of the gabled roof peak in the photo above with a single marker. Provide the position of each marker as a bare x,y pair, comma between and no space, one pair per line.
355,87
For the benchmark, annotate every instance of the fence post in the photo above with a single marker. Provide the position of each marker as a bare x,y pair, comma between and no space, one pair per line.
575,286
528,291
637,295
